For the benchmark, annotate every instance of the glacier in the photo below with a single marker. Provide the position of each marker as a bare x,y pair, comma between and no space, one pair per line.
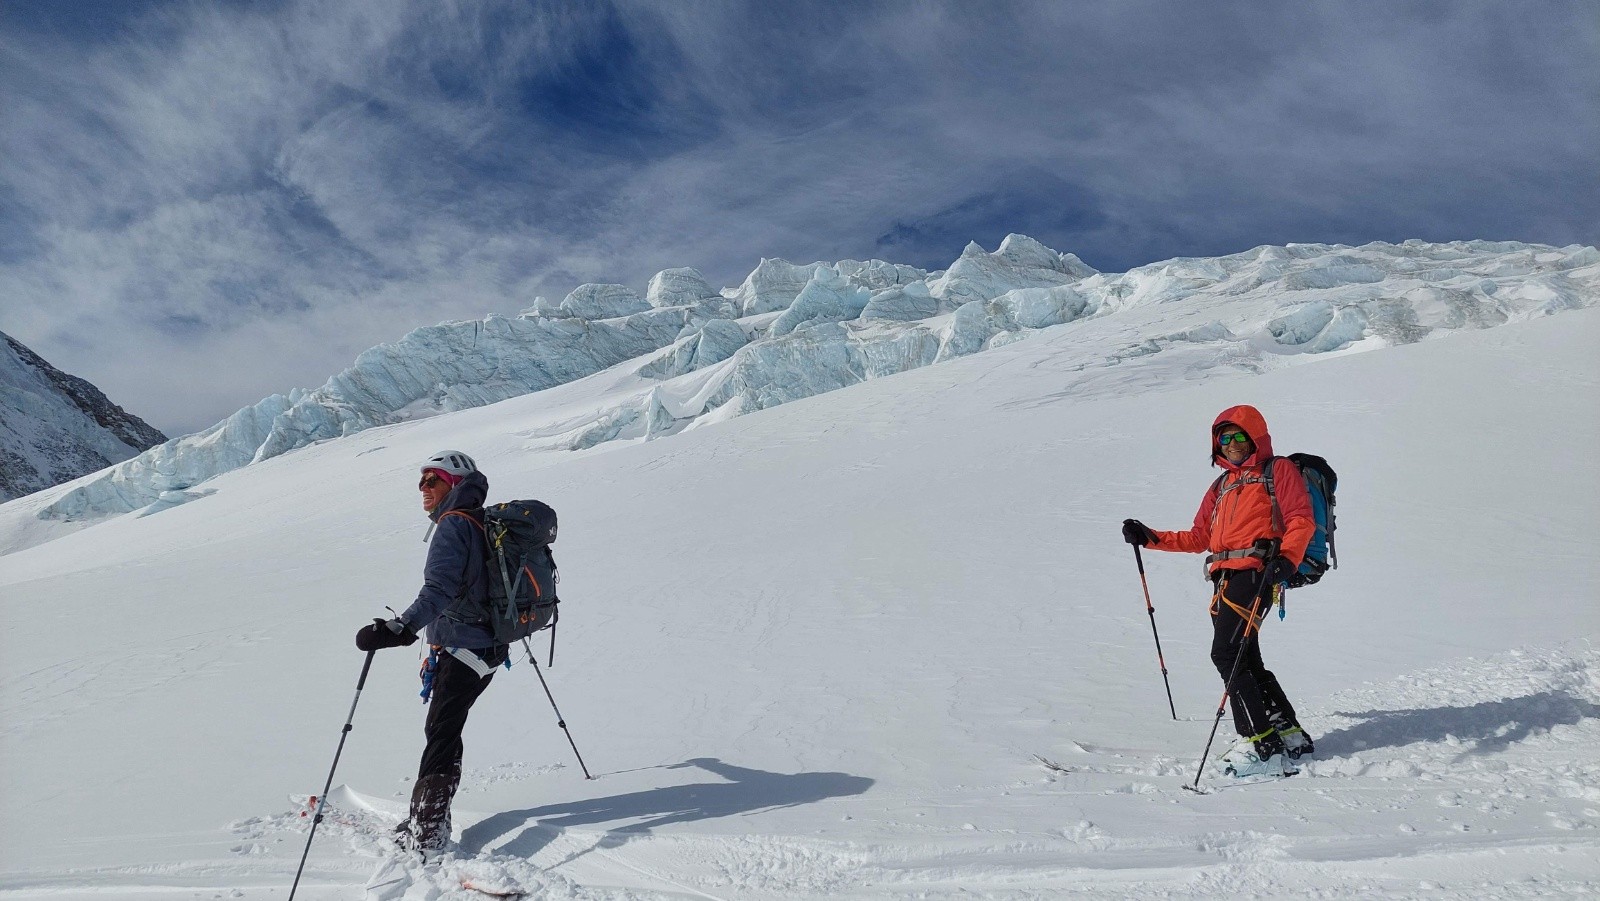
790,331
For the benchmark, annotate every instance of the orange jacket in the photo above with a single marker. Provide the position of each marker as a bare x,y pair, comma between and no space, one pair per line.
1244,511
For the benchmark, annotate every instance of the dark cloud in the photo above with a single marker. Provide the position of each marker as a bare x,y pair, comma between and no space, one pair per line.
619,94
259,191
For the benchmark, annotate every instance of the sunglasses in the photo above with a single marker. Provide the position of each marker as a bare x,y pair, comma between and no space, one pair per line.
1232,438
428,481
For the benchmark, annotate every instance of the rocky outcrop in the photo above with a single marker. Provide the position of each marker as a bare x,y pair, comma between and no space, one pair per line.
55,427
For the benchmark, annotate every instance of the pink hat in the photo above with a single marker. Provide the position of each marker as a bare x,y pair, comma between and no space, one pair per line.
447,478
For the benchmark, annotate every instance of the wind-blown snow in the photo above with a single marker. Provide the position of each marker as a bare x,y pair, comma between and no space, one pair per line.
790,332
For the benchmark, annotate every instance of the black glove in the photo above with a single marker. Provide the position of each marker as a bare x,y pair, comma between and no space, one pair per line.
1136,532
1278,569
390,633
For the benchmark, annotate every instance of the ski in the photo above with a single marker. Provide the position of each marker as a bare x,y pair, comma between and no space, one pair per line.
1049,764
1229,782
493,891
1229,777
391,879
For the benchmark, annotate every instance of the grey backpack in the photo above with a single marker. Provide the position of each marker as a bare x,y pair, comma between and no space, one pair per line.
522,569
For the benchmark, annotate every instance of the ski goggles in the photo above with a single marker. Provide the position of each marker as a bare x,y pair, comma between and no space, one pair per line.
1232,438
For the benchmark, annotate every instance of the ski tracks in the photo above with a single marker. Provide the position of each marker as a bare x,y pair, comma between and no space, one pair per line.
1420,786
1474,780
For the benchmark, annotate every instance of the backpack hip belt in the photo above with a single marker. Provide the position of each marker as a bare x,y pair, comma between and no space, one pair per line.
472,660
1263,549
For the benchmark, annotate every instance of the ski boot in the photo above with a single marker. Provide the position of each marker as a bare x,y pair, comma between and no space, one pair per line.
1258,755
1296,742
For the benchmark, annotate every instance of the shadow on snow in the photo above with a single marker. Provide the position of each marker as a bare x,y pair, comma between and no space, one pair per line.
1492,726
747,790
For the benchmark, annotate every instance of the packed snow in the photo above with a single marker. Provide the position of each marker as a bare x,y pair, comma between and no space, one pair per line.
812,652
790,332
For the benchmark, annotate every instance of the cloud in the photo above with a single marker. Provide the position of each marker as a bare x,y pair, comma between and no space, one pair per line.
252,193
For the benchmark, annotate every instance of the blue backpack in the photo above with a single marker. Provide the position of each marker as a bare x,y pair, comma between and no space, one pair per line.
1321,482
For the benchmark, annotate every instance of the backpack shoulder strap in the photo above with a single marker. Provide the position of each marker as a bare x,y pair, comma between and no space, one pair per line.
1216,497
466,516
1272,494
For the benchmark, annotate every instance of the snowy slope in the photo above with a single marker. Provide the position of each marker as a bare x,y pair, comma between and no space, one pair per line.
810,652
790,332
55,427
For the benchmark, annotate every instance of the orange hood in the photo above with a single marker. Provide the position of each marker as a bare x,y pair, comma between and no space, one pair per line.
1254,424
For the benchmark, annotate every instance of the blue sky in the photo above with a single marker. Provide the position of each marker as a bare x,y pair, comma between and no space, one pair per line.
205,203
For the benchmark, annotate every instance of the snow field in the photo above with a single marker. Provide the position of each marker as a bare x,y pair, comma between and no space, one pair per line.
811,652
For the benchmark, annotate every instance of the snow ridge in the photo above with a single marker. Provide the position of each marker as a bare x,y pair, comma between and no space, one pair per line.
55,427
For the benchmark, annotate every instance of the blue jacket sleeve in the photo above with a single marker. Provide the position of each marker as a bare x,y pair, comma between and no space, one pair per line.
445,573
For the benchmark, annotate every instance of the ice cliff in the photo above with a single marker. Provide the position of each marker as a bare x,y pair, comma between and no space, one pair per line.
791,331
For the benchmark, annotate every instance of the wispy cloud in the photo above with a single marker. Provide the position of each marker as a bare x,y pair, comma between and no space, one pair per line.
204,203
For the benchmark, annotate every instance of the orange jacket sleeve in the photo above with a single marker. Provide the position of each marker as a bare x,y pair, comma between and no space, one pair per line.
1294,504
1198,537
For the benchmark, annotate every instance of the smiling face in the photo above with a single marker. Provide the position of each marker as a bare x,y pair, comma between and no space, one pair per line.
1236,446
433,488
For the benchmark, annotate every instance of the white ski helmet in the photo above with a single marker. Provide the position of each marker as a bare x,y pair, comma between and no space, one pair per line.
453,462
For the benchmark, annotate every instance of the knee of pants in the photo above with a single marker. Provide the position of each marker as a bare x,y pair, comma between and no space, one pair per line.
1223,655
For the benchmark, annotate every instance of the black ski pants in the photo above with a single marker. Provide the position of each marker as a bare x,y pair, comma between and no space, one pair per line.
1257,701
456,687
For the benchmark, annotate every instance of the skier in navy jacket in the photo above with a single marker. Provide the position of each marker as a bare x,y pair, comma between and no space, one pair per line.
462,655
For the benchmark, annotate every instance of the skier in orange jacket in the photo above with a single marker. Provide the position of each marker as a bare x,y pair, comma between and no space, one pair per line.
1252,546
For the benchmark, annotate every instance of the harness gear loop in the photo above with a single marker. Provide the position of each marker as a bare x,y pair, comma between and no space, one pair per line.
430,667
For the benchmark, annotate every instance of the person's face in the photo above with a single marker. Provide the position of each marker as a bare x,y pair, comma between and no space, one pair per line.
1235,444
433,490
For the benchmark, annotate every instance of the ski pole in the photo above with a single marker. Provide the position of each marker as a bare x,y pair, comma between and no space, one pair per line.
560,720
1150,608
1227,687
322,799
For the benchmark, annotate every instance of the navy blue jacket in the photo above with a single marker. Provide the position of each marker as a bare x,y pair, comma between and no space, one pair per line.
455,578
